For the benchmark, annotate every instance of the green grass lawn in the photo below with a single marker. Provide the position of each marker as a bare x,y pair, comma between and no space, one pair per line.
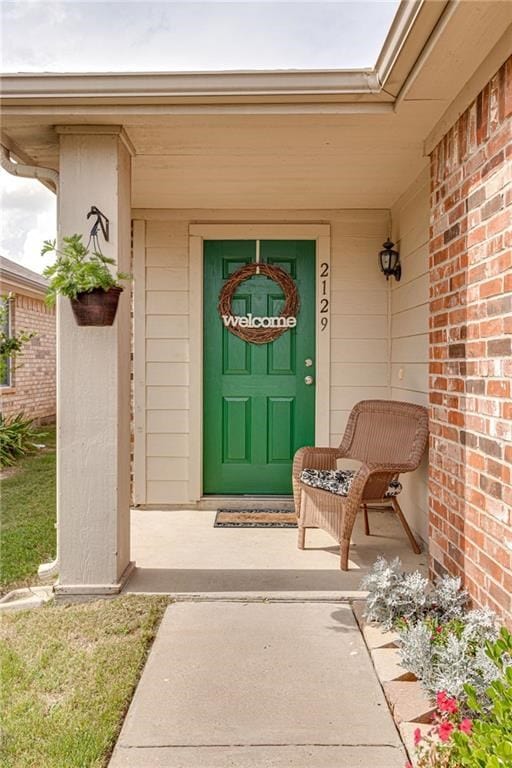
27,521
67,676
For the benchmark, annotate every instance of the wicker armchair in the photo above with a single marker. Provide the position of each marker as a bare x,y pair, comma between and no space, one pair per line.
388,437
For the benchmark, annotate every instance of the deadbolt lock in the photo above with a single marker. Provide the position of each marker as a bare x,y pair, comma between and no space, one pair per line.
308,380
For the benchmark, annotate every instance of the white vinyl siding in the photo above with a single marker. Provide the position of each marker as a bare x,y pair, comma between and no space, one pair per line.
359,332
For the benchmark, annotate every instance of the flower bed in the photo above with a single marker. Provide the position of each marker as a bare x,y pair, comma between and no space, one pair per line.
447,673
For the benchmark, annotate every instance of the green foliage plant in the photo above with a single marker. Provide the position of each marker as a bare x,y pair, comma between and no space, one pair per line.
10,345
478,732
78,270
17,437
489,743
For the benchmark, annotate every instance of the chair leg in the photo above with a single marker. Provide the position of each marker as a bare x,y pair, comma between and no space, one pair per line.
301,541
344,548
414,544
366,521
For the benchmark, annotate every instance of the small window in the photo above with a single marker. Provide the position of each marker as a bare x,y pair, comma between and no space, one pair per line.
5,320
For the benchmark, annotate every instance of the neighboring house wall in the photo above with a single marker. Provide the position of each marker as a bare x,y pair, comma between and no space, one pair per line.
470,350
409,330
32,388
359,334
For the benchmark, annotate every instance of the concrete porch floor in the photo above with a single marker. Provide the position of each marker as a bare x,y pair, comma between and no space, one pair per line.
182,554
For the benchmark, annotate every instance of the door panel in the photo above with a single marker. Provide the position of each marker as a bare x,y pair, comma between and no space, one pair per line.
257,408
280,429
236,430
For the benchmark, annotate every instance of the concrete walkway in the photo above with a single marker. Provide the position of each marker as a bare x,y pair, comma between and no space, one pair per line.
258,685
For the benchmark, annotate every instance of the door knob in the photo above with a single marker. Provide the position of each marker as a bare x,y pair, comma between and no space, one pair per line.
308,362
308,380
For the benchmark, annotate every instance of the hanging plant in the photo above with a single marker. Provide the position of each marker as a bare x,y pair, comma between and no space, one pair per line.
84,277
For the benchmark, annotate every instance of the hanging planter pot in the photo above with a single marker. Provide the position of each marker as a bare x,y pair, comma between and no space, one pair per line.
97,307
84,277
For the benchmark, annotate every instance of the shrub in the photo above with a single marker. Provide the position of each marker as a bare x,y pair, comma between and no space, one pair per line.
489,744
397,598
393,594
11,344
446,656
17,437
483,740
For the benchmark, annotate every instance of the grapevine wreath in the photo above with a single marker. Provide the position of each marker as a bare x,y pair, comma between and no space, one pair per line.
291,301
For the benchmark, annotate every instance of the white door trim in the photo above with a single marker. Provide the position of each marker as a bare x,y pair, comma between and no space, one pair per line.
199,232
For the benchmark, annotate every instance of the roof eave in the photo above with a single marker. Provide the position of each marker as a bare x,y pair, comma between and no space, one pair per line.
105,87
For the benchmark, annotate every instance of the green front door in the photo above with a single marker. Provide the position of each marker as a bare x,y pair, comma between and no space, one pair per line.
258,408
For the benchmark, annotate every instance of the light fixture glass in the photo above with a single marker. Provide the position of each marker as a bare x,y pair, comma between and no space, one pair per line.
389,261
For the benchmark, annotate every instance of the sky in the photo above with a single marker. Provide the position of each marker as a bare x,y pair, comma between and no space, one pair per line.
142,35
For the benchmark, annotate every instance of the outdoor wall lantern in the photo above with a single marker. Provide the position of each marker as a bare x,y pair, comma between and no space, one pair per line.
389,261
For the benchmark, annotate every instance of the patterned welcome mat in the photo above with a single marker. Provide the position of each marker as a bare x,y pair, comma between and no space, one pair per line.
255,518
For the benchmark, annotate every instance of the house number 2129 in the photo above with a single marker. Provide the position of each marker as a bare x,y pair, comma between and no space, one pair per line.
324,293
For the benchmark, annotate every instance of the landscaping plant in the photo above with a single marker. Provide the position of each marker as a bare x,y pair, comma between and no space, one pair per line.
17,436
16,432
477,734
446,656
77,270
462,662
397,598
10,344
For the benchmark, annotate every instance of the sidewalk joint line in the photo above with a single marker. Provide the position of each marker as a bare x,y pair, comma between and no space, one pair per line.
231,746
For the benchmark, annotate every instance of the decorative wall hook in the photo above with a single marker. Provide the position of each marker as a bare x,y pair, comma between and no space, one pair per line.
101,222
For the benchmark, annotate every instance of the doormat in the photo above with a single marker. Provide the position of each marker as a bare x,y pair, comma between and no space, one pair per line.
255,518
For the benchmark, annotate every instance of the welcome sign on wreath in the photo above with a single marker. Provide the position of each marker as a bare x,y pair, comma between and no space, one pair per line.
259,330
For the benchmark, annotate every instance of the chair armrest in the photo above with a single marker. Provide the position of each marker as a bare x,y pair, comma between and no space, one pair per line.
363,475
314,458
396,469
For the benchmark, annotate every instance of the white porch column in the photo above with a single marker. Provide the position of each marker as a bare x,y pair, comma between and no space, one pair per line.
93,377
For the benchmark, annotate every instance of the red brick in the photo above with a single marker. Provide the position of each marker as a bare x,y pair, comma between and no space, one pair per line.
498,223
471,348
491,327
498,388
34,377
491,288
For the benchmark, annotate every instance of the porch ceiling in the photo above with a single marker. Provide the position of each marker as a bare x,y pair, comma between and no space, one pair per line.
269,140
276,161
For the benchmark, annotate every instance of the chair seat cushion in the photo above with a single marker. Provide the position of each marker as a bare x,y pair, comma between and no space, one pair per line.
339,481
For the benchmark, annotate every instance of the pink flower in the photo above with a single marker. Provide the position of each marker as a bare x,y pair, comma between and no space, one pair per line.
466,725
446,704
417,737
439,630
445,731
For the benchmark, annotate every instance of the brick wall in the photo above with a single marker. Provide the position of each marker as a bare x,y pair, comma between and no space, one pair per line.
470,348
33,380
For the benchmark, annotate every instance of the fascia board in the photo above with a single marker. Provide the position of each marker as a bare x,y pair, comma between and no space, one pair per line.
104,87
401,26
15,283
